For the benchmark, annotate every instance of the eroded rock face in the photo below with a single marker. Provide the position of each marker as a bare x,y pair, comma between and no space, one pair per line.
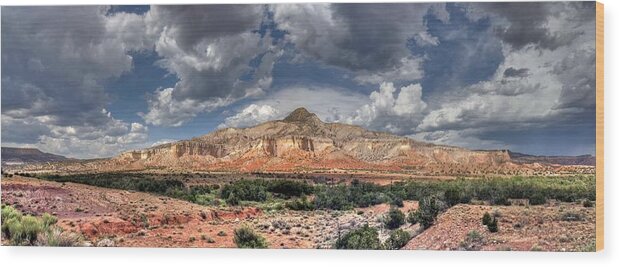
301,140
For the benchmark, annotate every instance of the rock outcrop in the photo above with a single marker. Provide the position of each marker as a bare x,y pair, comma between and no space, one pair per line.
301,141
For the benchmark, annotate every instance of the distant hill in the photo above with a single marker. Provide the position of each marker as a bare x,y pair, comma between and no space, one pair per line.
587,160
18,156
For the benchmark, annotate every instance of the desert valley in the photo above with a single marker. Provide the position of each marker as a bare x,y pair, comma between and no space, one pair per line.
301,183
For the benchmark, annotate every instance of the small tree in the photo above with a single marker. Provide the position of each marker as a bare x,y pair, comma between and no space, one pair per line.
486,219
395,218
397,239
245,237
429,208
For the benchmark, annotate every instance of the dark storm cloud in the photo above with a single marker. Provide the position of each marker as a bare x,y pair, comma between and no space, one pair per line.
512,72
209,48
528,22
193,24
377,34
577,73
57,59
358,37
54,63
468,52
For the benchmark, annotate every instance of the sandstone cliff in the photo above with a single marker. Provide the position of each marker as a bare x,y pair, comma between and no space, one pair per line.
302,141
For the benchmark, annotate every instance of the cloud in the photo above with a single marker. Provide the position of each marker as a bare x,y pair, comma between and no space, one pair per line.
165,110
533,89
250,116
367,39
209,48
466,138
55,61
79,141
391,111
330,104
511,72
409,70
538,23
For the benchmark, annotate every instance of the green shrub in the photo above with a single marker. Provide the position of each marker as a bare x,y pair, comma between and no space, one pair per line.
493,226
395,218
398,239
31,227
453,196
55,237
9,212
248,190
334,198
365,237
429,208
537,199
245,237
30,230
12,229
413,217
232,199
24,231
500,200
289,188
486,219
48,220
473,236
397,201
300,204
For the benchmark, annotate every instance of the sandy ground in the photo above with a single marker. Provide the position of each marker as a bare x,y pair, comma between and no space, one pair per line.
520,228
122,218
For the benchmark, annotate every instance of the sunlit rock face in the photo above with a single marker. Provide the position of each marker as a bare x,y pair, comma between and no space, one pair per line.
303,141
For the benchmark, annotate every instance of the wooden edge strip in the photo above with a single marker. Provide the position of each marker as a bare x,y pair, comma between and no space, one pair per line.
599,126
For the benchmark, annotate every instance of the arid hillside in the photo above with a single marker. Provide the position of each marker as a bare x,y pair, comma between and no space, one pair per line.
18,156
303,143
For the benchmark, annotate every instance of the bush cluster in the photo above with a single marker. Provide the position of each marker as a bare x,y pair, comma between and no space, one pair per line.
259,190
366,237
394,218
27,230
245,237
497,191
301,203
397,239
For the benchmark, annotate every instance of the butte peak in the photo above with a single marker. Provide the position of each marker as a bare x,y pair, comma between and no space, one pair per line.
302,115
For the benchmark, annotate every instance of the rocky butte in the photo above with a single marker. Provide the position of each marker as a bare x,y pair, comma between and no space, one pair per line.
302,142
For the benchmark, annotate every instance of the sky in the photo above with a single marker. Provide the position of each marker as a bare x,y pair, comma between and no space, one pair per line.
93,81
